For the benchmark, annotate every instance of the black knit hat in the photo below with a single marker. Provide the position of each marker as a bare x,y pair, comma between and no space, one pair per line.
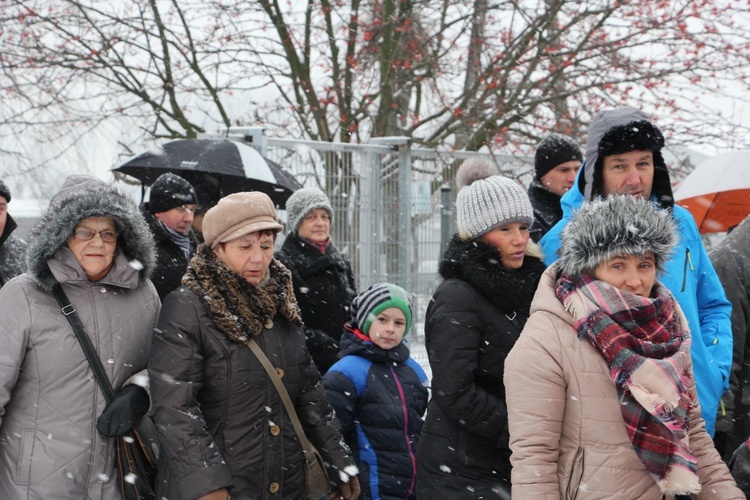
170,191
4,191
554,150
617,131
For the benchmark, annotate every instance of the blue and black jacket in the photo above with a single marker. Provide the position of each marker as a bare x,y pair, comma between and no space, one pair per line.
691,278
379,397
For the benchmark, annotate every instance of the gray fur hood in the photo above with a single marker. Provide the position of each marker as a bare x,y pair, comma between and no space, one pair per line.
81,197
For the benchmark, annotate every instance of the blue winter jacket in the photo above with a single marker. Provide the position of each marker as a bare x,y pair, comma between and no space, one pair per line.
379,397
691,278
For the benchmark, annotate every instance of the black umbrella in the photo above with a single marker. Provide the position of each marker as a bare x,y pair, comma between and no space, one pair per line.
214,168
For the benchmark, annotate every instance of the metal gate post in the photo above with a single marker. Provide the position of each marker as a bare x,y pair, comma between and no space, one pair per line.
404,214
370,234
446,214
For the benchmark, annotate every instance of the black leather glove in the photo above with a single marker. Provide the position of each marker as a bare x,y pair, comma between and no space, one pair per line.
128,407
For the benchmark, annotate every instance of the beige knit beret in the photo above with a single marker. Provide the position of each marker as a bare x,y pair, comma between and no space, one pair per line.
239,214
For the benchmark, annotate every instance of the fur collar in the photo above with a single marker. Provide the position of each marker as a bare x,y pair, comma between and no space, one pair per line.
308,260
239,308
478,263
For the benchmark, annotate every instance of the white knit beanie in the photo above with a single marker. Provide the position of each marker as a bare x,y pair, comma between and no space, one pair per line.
489,203
302,202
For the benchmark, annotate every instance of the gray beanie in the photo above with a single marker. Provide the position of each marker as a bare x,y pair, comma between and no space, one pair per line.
616,225
302,202
377,298
489,203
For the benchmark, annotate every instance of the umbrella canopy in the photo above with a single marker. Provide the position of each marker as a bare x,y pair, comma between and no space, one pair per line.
215,168
717,192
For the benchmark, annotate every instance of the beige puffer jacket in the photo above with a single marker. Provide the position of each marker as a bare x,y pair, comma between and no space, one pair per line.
567,435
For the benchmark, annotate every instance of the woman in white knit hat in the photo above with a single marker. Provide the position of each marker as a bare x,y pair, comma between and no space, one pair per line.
600,387
322,276
490,272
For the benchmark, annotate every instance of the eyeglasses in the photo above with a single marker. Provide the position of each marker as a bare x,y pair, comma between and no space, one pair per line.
85,234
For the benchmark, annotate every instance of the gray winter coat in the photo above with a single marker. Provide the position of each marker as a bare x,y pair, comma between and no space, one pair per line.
49,400
731,259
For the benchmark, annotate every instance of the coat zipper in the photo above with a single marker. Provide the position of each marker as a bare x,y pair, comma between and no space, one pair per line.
404,408
688,262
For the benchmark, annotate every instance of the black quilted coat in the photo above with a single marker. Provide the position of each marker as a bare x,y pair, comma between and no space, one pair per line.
474,318
324,287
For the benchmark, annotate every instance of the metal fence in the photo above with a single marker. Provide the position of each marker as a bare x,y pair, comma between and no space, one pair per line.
393,203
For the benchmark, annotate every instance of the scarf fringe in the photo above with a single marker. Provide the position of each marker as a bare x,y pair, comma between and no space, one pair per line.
679,481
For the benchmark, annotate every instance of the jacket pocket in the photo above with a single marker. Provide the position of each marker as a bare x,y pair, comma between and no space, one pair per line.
576,473
23,474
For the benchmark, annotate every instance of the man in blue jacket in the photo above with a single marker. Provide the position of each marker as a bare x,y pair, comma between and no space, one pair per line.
623,156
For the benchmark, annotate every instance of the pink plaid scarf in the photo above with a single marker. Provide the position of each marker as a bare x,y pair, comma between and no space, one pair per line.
647,347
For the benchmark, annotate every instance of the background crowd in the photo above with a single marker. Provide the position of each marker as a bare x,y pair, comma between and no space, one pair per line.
593,364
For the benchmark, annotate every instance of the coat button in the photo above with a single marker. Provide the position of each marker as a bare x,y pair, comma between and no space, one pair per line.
269,324
275,430
273,487
103,290
280,372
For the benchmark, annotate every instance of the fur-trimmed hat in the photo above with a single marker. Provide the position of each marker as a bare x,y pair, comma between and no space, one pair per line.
170,191
82,197
554,150
302,202
377,298
617,225
489,203
5,191
616,131
239,214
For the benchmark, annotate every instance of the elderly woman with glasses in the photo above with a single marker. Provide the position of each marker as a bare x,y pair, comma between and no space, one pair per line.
56,428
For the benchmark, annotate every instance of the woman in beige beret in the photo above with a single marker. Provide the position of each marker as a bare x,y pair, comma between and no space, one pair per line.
224,428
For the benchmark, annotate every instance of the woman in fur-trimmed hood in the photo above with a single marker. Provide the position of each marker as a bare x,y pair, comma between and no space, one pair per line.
222,423
600,388
55,430
490,271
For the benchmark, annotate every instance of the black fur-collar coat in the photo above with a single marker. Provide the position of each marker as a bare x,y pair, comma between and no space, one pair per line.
473,320
324,288
547,210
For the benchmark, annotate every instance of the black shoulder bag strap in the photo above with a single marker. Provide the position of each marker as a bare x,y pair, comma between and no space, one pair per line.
88,349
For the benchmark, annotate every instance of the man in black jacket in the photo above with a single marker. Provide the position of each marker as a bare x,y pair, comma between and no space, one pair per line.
169,213
12,249
556,163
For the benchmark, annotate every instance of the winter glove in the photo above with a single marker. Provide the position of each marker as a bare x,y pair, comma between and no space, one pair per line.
347,491
129,406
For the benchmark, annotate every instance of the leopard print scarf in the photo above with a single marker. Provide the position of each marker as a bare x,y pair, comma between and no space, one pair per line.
239,308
